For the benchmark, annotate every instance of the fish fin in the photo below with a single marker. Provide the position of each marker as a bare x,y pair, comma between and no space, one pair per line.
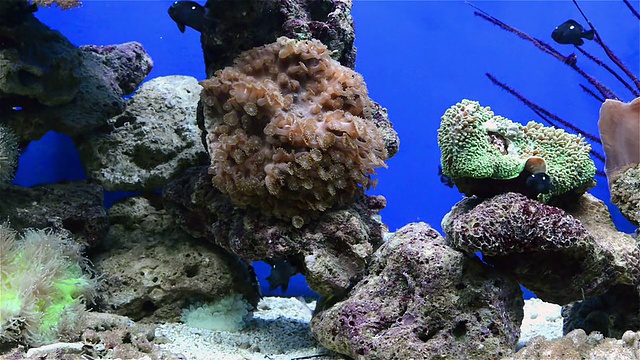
578,42
589,35
181,27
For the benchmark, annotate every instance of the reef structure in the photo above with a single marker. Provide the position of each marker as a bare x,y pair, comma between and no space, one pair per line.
290,131
485,154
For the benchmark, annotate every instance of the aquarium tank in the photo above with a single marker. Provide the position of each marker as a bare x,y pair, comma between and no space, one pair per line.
418,169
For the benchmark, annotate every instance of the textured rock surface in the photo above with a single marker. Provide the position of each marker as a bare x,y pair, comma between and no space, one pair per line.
331,251
246,24
74,208
151,142
610,314
151,270
546,249
422,299
625,193
46,83
578,345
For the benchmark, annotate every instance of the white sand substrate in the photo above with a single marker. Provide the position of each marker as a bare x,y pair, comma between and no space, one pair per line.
280,330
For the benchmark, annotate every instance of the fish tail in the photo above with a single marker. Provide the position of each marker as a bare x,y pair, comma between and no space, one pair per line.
589,35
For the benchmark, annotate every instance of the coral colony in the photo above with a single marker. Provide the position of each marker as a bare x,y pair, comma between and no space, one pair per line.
598,90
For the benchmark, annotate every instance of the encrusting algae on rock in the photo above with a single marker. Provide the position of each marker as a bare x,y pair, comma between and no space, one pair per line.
485,154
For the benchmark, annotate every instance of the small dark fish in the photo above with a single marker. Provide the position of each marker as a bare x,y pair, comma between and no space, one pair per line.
281,272
570,32
444,178
539,183
191,14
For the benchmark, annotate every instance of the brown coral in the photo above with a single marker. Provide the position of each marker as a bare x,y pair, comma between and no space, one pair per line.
290,130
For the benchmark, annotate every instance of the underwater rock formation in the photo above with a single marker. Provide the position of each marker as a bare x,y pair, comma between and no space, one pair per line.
47,83
75,207
8,155
152,142
625,193
246,24
421,299
290,131
331,251
486,154
151,270
549,251
59,87
578,345
611,314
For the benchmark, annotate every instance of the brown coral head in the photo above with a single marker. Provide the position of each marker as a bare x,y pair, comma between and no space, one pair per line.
619,127
290,130
535,165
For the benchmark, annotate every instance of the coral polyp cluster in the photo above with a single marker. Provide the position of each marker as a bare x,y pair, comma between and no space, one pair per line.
290,130
476,145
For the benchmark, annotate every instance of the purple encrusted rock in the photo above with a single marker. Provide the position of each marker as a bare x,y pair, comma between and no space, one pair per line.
129,62
331,251
421,299
546,249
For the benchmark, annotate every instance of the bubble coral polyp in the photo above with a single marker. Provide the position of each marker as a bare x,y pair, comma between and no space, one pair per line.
290,130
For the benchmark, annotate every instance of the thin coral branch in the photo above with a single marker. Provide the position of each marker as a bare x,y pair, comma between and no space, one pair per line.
607,50
633,11
609,69
590,92
570,60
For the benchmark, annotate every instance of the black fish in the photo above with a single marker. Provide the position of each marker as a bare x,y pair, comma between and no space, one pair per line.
281,271
539,183
191,14
444,178
570,32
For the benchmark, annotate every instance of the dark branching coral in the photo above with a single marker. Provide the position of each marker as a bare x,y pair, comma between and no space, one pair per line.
291,130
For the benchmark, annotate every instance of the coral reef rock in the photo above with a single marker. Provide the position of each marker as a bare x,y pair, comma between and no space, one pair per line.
46,83
151,270
75,208
619,127
331,251
578,345
485,154
290,131
154,140
611,314
245,24
625,193
421,299
549,251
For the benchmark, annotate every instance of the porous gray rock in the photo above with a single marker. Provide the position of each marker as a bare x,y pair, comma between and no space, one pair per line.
152,142
421,299
546,249
74,208
151,270
331,251
625,193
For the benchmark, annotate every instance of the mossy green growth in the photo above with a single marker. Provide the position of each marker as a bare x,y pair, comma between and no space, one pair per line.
477,144
43,287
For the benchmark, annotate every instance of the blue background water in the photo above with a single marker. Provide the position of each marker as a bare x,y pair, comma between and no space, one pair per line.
418,58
